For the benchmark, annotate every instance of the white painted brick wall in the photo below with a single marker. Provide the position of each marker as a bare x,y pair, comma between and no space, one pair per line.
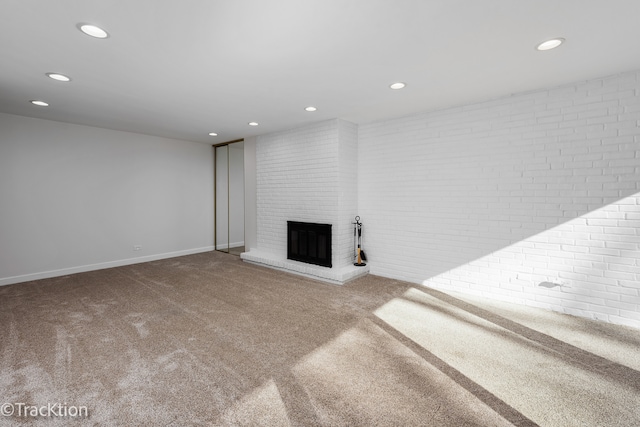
348,189
308,175
499,197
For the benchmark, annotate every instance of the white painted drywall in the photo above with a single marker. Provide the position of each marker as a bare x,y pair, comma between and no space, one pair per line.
76,198
250,209
236,193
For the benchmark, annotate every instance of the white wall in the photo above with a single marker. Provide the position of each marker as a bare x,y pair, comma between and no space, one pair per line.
348,190
250,197
75,198
236,193
533,198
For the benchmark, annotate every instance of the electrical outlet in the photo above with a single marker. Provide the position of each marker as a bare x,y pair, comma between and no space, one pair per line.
137,247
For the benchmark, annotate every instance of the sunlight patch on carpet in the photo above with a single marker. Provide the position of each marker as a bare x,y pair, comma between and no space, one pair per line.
262,406
367,372
544,385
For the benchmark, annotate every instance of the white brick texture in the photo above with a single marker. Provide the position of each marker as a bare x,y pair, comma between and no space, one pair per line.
532,198
308,175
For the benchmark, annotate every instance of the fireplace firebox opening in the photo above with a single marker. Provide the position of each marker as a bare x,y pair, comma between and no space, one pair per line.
309,242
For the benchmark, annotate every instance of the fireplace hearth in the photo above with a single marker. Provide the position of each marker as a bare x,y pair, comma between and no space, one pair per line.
309,242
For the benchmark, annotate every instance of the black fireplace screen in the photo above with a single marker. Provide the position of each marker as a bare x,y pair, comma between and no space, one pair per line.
309,242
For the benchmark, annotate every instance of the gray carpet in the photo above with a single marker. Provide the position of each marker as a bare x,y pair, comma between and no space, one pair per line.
209,340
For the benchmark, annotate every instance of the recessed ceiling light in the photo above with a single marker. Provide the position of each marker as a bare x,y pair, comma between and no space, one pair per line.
396,86
39,103
310,108
59,77
213,134
253,123
93,31
550,44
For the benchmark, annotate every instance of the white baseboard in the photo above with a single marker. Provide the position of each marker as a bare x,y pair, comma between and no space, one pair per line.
99,266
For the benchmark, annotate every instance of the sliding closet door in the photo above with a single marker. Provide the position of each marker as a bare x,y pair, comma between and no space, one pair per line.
222,198
229,197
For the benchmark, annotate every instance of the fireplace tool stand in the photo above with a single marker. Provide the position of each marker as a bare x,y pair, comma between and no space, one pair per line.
360,257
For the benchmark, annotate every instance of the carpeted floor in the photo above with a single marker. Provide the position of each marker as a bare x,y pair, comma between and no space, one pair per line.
207,339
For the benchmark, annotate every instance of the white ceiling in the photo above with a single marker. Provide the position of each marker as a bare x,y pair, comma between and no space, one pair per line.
184,68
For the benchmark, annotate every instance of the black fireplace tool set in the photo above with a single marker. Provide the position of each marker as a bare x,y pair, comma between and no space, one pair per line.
360,257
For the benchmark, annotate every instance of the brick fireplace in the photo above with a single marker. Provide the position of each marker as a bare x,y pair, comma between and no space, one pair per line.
307,175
